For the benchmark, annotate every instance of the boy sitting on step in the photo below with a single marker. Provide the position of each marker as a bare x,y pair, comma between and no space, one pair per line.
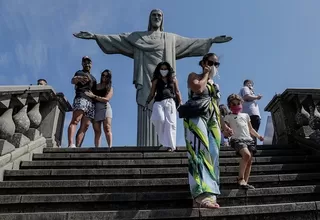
241,139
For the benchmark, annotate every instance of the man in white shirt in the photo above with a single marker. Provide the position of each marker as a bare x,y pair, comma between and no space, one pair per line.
250,105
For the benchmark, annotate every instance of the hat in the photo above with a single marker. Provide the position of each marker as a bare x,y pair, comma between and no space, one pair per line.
86,58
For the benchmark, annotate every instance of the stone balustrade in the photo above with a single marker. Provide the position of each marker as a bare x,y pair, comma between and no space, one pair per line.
31,117
296,117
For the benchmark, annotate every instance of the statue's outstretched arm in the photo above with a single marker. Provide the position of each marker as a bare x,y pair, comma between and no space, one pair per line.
109,44
221,39
85,35
192,47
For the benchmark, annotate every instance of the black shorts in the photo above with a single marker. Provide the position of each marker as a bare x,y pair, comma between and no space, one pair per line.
238,145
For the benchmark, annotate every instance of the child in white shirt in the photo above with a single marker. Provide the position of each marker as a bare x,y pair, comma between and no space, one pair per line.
241,139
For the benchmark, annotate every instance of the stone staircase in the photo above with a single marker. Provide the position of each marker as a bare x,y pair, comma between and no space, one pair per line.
149,183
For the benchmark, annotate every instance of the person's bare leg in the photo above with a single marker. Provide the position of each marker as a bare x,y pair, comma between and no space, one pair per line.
245,157
108,131
97,133
248,170
85,123
76,118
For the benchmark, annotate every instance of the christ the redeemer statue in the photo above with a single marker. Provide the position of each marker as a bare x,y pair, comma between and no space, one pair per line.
148,48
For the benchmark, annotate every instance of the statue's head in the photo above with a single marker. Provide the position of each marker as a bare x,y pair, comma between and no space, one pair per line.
155,20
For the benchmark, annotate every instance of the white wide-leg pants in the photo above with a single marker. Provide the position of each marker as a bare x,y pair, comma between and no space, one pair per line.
164,118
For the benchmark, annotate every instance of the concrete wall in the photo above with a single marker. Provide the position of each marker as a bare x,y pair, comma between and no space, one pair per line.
11,161
31,118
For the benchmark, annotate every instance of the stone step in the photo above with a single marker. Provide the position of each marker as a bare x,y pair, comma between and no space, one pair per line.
140,185
144,173
149,149
151,200
92,162
157,155
55,172
150,155
225,169
293,211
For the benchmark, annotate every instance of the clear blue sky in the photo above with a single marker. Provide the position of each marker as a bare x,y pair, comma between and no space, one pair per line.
276,44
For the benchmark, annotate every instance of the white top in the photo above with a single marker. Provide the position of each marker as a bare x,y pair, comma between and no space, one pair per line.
249,107
239,124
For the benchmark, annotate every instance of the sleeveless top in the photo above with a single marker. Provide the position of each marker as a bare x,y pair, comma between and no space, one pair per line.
100,92
213,110
164,90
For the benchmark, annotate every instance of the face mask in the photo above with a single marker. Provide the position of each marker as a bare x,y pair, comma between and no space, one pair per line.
164,72
236,109
213,72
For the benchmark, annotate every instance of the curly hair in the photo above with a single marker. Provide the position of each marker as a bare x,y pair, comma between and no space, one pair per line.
157,74
234,97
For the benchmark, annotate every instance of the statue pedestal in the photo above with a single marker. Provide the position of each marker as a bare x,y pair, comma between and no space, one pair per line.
146,134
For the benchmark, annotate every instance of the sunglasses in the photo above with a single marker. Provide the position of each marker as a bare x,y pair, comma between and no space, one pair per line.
211,63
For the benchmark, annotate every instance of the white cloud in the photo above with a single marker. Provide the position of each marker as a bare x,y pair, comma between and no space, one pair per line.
33,55
4,59
39,30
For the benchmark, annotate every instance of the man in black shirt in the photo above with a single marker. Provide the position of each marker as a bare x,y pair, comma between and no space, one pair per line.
83,106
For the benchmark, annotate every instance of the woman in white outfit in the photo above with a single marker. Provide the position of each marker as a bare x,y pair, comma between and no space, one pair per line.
103,111
166,94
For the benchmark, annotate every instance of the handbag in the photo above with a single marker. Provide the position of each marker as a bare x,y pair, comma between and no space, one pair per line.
194,107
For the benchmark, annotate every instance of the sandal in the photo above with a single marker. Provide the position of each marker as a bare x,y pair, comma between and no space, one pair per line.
250,186
244,186
209,204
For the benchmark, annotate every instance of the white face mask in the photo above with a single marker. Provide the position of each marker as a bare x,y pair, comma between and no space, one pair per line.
213,72
164,72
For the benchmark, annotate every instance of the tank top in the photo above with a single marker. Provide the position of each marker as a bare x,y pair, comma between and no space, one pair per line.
100,92
164,90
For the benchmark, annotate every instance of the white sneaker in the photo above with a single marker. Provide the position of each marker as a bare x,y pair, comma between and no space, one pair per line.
72,146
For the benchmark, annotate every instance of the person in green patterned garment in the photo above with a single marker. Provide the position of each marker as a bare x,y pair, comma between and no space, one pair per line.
203,137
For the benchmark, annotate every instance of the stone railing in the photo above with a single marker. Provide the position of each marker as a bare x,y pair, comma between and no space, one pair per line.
296,117
31,118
